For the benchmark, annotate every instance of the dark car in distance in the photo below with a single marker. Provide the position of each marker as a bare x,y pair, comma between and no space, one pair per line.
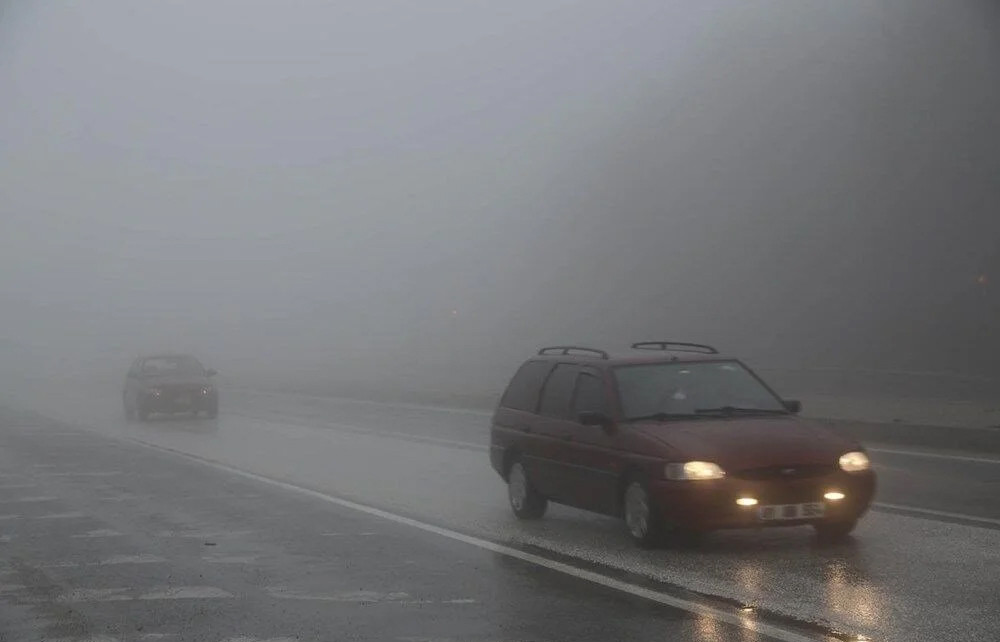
169,384
676,439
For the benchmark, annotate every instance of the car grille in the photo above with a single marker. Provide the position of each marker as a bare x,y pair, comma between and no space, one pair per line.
788,472
176,391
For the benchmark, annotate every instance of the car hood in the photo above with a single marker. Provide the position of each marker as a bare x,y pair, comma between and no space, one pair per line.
737,443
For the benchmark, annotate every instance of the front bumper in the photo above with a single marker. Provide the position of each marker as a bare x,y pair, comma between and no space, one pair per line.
710,505
174,401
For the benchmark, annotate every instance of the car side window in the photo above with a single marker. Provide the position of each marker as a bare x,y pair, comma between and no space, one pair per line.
558,391
524,388
590,394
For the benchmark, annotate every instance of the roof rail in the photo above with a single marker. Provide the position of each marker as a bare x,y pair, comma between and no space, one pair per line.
674,346
567,349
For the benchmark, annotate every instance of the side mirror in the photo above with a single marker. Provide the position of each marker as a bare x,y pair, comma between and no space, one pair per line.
793,406
211,372
591,418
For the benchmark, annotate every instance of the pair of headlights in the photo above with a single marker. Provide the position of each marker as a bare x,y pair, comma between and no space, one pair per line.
206,390
852,462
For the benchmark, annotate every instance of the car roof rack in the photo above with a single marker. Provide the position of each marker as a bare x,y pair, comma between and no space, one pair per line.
567,349
675,346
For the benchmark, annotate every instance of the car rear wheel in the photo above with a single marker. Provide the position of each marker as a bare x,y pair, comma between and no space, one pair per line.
640,518
524,499
830,532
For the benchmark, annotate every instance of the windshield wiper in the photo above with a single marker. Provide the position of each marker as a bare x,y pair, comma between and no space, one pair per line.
664,416
736,410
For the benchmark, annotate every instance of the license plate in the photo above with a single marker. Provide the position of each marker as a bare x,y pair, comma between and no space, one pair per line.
183,400
779,512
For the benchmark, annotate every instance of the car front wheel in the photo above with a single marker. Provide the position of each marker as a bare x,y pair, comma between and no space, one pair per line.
524,499
640,518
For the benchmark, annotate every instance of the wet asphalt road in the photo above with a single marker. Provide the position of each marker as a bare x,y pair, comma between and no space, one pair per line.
105,540
911,576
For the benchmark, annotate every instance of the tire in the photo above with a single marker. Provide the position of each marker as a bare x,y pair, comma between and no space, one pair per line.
524,500
833,532
640,516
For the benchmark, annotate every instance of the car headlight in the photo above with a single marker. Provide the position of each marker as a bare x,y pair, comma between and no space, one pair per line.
854,462
156,392
206,390
694,470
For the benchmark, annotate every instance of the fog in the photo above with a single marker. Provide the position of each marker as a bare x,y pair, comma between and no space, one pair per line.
418,195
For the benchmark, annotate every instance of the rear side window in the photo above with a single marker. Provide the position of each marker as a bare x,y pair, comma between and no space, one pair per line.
522,393
590,395
558,391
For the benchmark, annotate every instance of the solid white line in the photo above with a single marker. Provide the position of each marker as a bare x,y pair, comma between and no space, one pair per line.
938,513
319,424
920,453
560,567
367,402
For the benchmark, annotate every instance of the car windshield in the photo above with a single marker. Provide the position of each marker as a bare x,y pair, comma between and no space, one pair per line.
172,365
692,389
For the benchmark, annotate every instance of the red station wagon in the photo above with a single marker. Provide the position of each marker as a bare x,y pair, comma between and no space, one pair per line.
676,439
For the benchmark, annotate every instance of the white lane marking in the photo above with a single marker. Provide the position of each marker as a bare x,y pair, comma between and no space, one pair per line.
920,453
369,402
938,513
202,534
101,532
111,561
28,500
60,516
231,559
16,486
131,559
652,595
45,565
87,474
350,596
391,434
96,595
186,593
251,639
122,498
10,517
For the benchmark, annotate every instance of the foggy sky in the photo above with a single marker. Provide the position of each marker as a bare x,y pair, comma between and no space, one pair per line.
399,189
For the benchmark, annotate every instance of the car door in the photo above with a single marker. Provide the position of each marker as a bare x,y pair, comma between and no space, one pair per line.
555,431
595,451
